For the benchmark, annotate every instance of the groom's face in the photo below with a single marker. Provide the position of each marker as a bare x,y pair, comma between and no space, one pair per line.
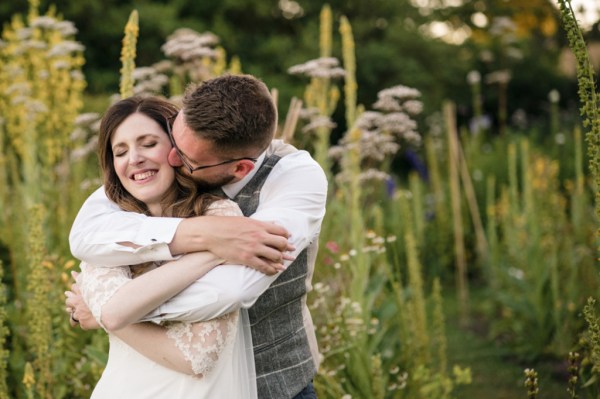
193,152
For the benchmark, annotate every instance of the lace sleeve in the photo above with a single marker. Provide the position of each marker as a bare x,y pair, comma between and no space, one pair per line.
224,208
202,344
98,285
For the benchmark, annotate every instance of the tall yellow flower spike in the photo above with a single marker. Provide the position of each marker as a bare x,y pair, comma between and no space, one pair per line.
350,87
325,31
128,53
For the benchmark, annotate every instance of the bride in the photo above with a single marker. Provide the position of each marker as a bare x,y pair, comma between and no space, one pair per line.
178,359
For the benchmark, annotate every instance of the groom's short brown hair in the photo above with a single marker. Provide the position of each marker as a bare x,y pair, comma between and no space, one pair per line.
235,112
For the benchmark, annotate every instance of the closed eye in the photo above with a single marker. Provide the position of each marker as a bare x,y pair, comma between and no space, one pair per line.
150,144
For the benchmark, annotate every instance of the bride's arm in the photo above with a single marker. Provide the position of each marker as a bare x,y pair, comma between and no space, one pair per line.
189,348
115,300
139,296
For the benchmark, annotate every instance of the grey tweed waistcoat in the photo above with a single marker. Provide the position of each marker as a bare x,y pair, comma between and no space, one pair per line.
282,353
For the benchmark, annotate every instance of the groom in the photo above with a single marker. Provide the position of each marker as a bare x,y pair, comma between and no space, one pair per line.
223,137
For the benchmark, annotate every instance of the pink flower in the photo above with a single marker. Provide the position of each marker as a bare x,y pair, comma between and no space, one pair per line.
333,246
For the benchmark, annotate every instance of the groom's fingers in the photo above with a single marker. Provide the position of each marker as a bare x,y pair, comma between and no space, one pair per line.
272,255
267,267
275,229
278,237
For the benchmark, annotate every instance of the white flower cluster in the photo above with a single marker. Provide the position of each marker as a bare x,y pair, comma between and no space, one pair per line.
66,28
149,81
319,121
77,75
502,26
23,33
367,176
31,44
315,121
18,89
85,150
87,119
44,22
397,122
91,183
399,104
186,44
473,78
65,48
382,132
373,174
35,107
400,99
87,126
324,67
371,146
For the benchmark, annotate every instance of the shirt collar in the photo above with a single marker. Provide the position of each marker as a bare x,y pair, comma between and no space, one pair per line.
232,189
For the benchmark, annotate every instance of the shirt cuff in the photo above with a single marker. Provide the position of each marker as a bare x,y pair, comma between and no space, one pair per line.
154,238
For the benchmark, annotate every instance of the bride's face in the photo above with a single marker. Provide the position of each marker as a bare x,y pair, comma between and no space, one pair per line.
140,149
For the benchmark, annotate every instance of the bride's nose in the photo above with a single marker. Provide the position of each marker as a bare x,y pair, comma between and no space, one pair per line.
135,157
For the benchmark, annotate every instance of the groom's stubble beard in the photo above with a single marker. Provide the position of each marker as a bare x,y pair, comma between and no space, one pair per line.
214,183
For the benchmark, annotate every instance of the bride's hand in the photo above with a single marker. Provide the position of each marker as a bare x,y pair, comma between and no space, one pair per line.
79,313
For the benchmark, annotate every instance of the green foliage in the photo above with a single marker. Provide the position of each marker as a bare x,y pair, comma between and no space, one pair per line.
587,90
381,327
4,333
39,324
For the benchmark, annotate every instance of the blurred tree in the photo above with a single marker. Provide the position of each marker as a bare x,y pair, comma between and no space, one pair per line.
516,46
268,36
395,43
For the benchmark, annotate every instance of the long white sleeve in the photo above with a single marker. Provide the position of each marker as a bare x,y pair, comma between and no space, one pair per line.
101,224
224,289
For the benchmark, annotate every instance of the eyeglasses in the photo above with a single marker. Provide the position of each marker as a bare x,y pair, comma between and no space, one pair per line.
186,162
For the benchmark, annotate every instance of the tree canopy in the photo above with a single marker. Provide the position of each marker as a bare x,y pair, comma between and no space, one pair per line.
394,42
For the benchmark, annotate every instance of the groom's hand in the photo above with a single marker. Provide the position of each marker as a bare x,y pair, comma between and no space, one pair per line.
239,240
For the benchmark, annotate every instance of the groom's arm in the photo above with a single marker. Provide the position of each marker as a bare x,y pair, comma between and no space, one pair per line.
294,196
104,234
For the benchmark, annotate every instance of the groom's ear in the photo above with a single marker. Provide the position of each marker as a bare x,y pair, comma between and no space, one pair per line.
242,168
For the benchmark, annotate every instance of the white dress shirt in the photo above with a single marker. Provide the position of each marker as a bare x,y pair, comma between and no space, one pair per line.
293,196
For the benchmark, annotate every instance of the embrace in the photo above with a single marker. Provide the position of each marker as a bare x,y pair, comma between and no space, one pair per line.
198,251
